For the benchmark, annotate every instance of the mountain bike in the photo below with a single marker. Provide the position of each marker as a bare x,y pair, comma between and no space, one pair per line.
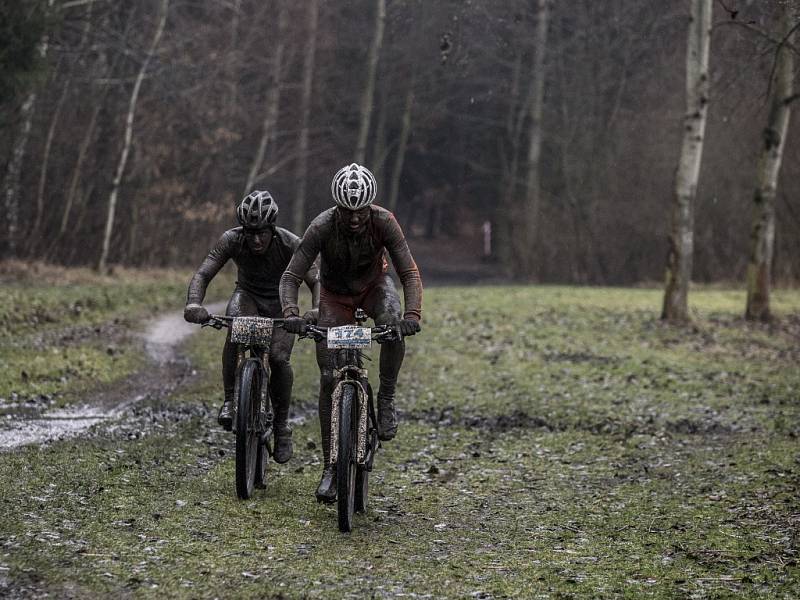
252,423
354,425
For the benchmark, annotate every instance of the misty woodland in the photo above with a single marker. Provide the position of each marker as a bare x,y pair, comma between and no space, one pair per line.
605,142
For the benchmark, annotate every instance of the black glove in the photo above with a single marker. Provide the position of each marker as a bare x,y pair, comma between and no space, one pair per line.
294,324
311,316
408,327
195,313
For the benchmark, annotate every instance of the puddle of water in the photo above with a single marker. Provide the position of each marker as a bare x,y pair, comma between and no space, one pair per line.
32,425
167,332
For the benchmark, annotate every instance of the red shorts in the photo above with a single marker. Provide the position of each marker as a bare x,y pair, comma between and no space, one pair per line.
379,300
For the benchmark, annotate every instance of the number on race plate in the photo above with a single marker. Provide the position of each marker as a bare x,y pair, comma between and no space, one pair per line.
349,336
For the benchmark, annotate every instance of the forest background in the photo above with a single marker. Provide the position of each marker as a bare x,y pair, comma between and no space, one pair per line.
130,129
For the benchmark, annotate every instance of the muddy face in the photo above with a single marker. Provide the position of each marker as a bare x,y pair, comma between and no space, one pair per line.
354,220
258,241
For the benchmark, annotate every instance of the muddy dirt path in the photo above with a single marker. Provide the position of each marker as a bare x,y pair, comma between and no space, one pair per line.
165,371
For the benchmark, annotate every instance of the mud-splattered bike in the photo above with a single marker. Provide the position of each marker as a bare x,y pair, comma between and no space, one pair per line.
354,425
252,423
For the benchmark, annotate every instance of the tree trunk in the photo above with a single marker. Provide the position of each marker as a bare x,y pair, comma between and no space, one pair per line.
83,150
505,247
273,102
14,168
369,89
126,146
37,221
405,131
34,237
379,149
681,233
532,187
232,58
762,236
13,173
301,175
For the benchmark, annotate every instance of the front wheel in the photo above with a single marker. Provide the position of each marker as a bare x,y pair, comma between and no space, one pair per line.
346,459
362,488
247,428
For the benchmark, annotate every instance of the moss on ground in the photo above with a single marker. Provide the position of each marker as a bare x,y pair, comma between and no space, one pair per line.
556,443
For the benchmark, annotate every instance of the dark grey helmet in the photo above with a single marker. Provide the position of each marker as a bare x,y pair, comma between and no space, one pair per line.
257,210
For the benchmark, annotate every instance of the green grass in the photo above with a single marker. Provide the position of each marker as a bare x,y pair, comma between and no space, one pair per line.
64,332
556,443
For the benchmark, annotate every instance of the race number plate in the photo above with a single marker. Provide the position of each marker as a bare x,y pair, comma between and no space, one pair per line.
349,336
251,331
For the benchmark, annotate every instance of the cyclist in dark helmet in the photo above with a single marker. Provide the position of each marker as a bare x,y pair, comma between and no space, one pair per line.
353,239
261,252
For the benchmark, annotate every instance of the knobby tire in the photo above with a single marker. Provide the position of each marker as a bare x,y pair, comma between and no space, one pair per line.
362,489
247,429
346,460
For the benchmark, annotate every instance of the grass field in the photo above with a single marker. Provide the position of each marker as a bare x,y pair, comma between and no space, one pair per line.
555,442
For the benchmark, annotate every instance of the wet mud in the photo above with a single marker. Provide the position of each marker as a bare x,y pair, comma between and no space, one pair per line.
116,406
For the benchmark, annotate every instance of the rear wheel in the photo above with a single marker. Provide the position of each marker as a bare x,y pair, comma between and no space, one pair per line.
346,460
247,428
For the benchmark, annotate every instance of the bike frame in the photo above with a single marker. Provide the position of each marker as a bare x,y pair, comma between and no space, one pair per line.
252,337
348,370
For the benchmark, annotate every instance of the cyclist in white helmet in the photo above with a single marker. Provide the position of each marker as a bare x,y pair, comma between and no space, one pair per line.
353,239
261,252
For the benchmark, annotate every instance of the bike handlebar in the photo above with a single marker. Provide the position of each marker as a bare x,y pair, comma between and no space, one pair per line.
220,321
379,332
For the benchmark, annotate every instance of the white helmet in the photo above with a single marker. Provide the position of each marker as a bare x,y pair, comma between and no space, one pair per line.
353,187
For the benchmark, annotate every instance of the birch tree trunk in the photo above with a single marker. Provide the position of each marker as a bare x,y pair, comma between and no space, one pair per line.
762,236
681,233
13,173
405,131
301,175
532,187
273,101
369,89
126,145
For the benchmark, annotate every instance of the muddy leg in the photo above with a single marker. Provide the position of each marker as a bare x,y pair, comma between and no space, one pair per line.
383,304
280,385
239,305
326,491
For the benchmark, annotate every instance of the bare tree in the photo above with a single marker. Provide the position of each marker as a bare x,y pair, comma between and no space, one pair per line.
369,88
126,145
301,174
14,168
273,100
681,233
405,131
762,236
13,172
527,226
54,121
